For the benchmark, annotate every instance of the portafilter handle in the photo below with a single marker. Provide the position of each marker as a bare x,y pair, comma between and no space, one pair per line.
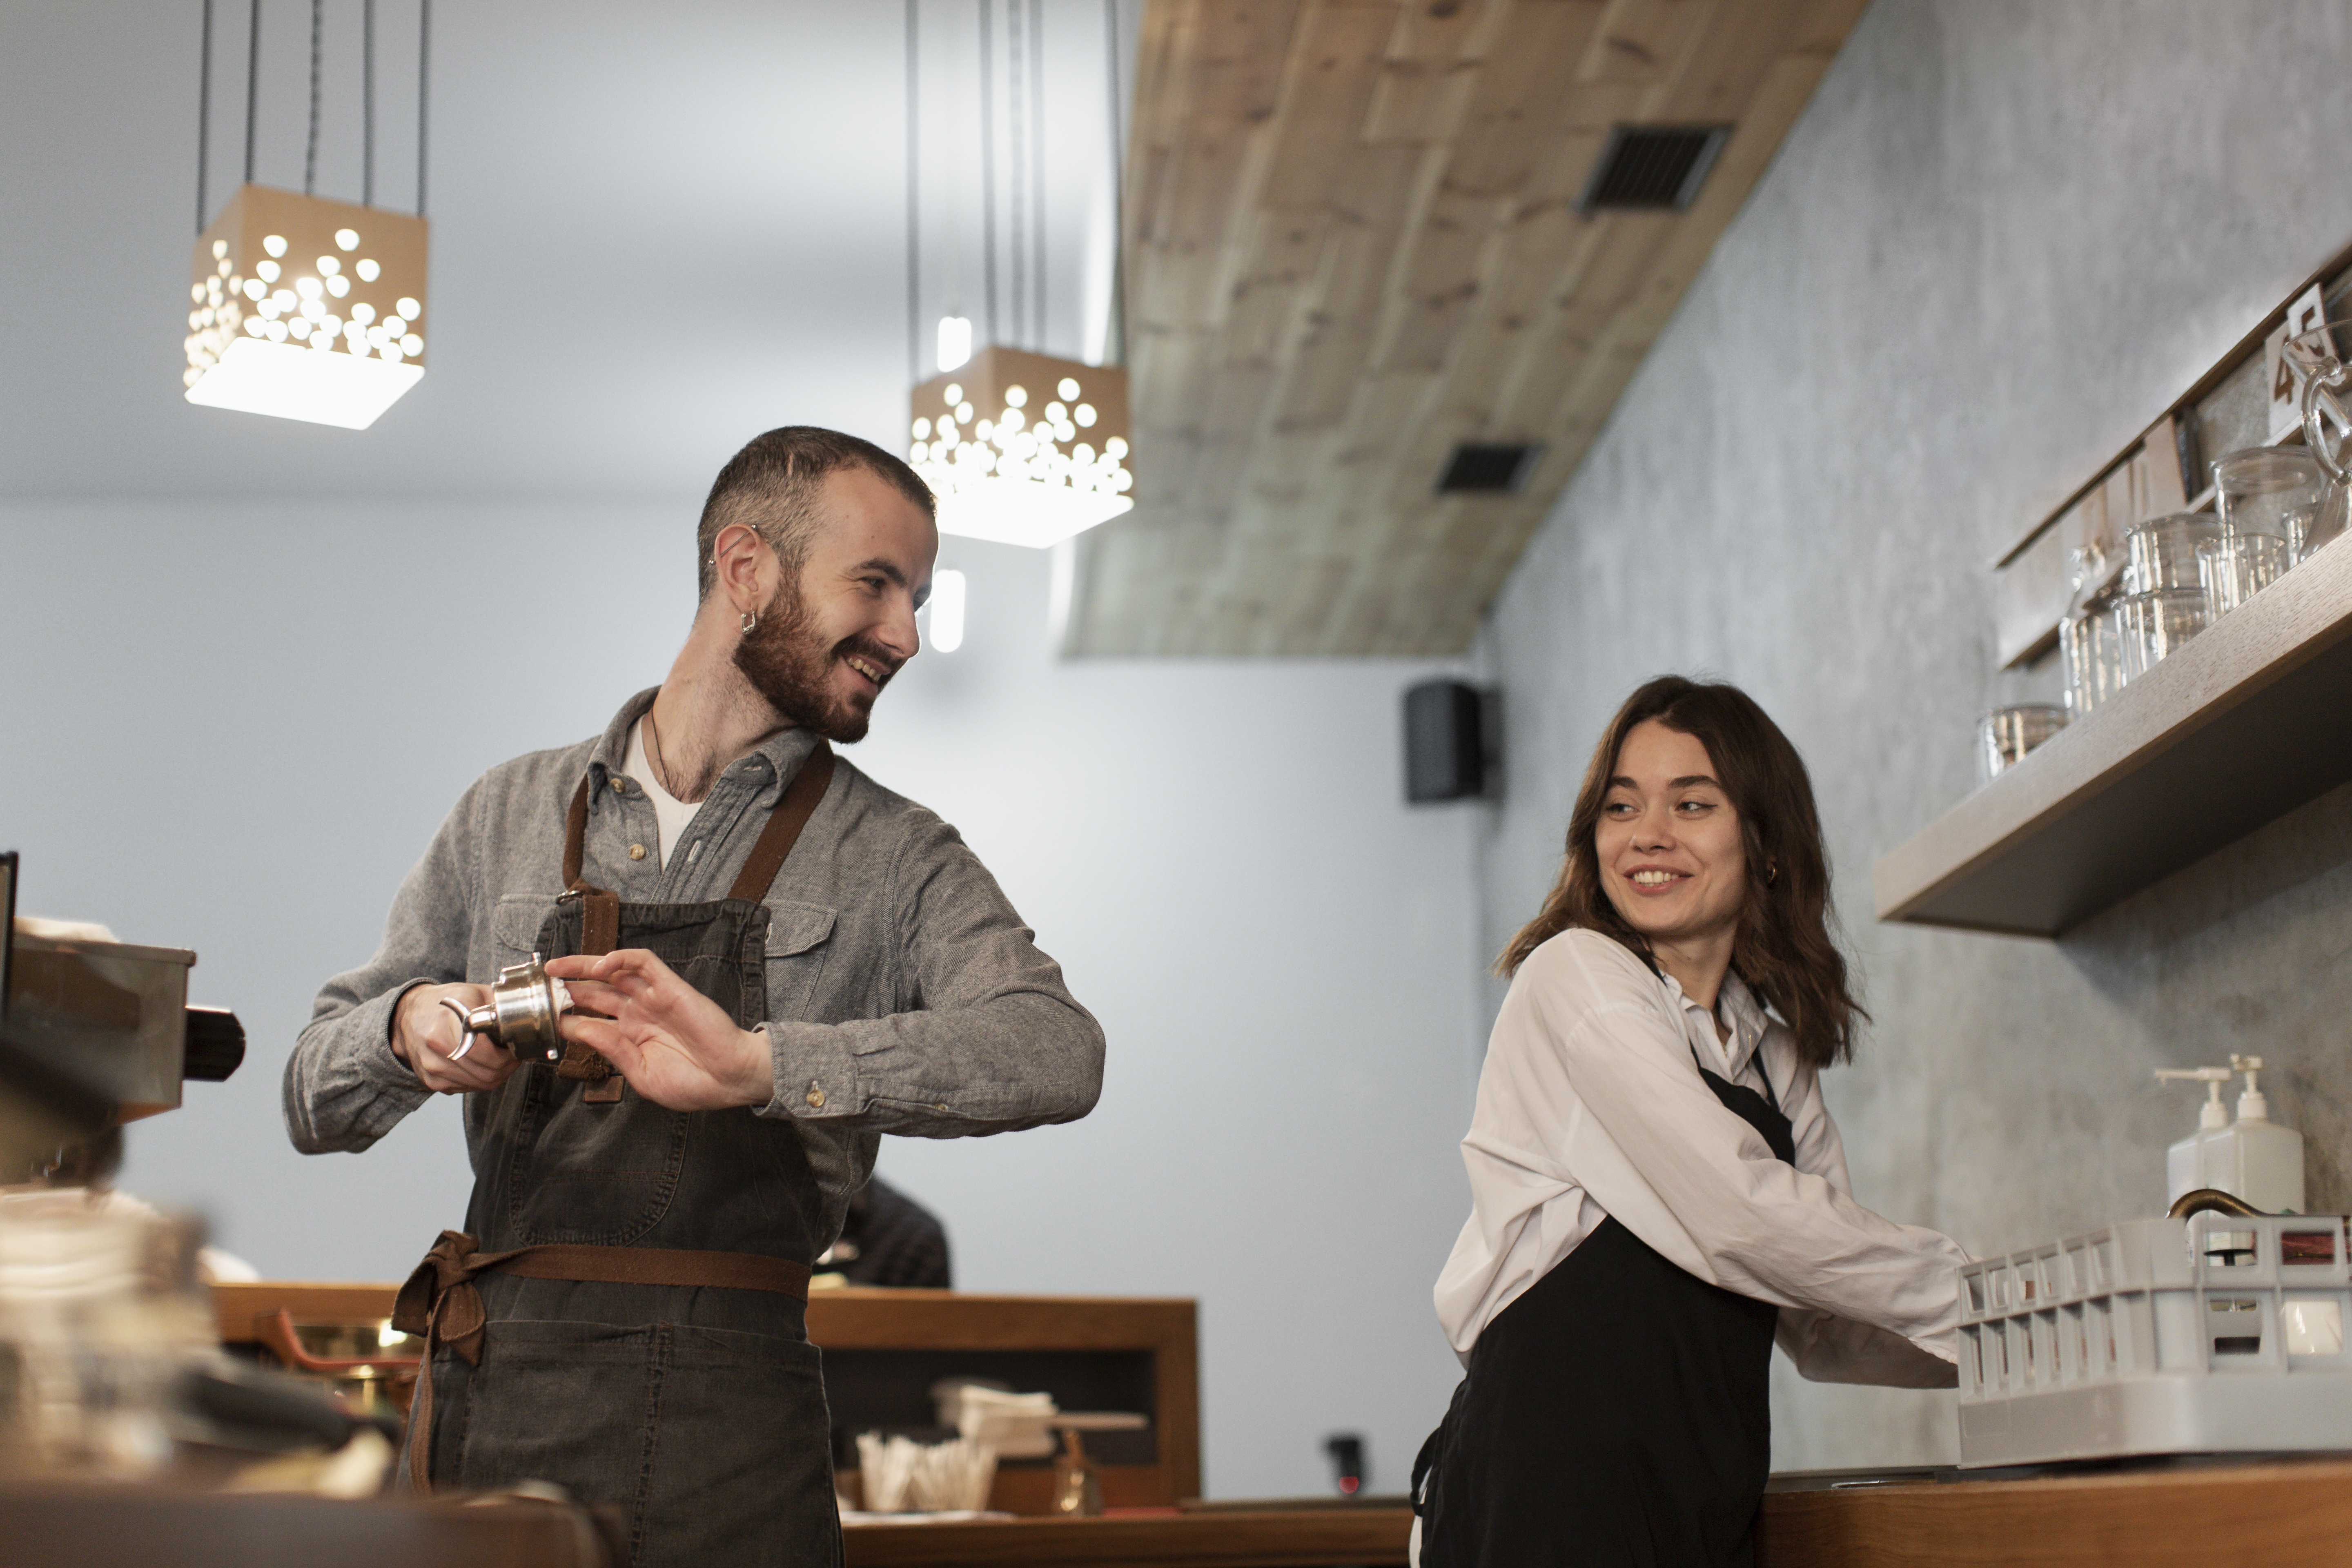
525,1002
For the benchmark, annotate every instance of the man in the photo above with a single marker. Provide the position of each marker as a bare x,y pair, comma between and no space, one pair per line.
624,1313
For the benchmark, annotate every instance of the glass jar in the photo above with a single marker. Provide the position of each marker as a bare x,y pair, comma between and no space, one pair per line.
2267,502
2090,642
2006,735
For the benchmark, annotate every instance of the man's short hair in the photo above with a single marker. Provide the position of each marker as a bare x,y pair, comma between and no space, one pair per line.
772,485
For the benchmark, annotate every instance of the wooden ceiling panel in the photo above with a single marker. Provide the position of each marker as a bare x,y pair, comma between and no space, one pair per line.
1352,244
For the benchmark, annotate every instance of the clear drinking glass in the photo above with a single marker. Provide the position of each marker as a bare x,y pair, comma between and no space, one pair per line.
2163,551
2006,735
2158,623
2239,566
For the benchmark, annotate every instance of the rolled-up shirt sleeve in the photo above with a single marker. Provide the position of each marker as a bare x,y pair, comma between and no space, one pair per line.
991,1041
1649,1142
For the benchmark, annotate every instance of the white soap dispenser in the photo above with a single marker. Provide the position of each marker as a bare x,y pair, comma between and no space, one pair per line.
2192,1163
2263,1159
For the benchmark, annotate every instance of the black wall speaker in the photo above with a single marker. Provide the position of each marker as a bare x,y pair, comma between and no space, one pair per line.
1445,742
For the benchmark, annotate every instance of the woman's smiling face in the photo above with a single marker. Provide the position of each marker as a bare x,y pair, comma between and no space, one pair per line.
1668,844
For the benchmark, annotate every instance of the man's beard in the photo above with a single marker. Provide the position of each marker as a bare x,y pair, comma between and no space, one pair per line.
784,662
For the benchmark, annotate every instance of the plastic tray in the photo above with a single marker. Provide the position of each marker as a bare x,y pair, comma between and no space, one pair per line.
2215,1334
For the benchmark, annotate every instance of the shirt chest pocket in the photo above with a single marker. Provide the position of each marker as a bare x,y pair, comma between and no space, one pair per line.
800,939
516,926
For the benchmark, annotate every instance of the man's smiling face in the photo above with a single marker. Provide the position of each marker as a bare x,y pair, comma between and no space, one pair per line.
826,645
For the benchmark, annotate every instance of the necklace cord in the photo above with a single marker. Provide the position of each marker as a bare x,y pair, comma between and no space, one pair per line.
661,774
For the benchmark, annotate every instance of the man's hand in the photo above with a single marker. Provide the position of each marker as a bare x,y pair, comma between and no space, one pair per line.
427,1036
674,1045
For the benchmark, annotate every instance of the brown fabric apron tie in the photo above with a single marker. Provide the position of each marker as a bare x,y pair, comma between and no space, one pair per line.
599,910
440,1301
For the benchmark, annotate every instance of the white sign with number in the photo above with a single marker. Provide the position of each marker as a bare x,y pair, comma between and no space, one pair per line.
2286,408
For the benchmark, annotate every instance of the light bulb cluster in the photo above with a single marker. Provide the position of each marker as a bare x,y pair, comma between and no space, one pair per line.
285,302
303,308
962,448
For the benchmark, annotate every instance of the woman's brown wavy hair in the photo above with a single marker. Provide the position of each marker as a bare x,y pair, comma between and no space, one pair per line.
1784,948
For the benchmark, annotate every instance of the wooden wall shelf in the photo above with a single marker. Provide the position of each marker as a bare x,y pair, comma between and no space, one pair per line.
2240,727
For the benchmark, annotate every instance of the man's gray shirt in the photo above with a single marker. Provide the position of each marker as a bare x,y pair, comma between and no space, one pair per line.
904,994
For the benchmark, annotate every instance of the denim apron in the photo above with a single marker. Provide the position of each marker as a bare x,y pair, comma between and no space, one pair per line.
1614,1414
640,1335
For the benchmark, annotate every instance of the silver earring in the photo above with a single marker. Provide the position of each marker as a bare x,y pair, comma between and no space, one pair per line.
751,623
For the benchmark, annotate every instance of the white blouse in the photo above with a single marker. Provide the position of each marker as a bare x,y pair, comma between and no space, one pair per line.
1590,1105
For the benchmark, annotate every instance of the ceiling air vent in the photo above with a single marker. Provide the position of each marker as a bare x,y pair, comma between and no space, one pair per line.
1488,468
1652,167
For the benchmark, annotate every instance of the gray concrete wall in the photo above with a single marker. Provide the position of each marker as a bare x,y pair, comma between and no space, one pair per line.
2001,239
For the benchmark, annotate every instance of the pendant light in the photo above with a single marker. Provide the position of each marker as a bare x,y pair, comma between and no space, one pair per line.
1019,446
301,307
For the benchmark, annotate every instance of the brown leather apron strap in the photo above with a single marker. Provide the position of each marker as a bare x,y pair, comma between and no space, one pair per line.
784,824
791,814
439,1300
600,909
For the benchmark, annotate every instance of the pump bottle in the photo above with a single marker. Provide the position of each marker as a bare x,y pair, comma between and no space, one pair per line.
2253,1158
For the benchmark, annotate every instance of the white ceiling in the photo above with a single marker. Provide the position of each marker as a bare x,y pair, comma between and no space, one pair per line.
657,231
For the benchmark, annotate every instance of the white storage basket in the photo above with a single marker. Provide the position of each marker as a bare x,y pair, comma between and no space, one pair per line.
2215,1334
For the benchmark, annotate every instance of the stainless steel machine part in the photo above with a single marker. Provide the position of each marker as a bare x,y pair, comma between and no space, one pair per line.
525,1002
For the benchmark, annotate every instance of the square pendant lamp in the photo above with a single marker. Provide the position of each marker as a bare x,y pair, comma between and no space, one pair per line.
306,309
1024,448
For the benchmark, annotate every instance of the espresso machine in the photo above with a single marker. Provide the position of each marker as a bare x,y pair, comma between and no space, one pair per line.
94,1034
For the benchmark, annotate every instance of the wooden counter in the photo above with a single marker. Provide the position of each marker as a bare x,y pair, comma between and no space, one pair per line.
2284,1515
1371,1536
94,1525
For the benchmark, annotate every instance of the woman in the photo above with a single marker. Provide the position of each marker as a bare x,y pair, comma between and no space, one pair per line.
1657,1191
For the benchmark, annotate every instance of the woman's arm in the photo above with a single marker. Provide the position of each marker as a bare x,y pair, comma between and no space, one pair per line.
1826,1348
1599,1051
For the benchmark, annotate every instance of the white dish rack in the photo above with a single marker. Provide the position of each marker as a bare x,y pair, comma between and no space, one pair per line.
2219,1333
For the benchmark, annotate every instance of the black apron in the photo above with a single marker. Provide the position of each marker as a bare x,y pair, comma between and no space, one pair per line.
637,1338
1616,1414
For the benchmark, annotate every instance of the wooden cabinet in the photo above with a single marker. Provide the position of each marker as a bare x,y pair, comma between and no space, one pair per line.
884,1348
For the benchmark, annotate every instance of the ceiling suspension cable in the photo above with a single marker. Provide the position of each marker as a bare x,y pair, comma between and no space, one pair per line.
1017,149
1037,161
367,103
252,81
988,166
423,79
1115,337
914,213
310,148
203,114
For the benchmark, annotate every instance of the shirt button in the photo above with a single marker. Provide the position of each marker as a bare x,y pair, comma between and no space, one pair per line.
620,787
636,851
939,1107
816,1097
